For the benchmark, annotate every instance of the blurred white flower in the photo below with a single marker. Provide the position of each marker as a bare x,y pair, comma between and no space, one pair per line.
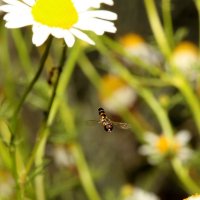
193,197
186,57
61,18
63,157
130,192
7,185
158,147
136,46
115,94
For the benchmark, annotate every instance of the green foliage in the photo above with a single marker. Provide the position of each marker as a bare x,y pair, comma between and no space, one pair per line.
47,148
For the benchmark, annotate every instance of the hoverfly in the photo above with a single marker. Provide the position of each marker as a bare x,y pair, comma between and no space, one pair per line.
107,123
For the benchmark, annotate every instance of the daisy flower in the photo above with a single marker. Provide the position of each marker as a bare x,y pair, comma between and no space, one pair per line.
159,147
61,18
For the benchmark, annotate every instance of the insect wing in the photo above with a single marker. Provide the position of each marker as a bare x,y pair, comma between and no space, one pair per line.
121,125
92,122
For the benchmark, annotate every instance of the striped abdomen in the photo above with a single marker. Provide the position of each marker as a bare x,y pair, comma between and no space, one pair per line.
105,121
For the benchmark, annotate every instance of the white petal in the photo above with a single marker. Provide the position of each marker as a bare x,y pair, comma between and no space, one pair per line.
185,153
12,8
8,8
96,25
14,2
69,39
18,16
103,14
151,138
40,34
81,6
183,137
17,20
146,150
16,24
58,32
81,36
29,2
88,4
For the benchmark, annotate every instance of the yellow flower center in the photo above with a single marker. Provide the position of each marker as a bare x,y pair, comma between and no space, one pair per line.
55,13
110,84
131,40
162,144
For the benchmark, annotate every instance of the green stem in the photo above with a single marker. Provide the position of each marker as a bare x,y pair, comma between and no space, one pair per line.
84,173
22,51
138,129
157,27
167,18
39,181
83,169
58,93
184,177
159,111
60,69
7,77
64,80
35,78
197,2
89,70
179,82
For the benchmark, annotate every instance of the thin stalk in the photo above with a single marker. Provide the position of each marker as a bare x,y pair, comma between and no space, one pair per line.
5,61
157,27
35,78
193,102
184,177
167,19
197,2
23,98
138,129
22,51
60,69
63,80
84,172
77,152
89,70
39,181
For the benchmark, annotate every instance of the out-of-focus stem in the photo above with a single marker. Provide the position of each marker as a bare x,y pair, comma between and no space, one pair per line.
157,27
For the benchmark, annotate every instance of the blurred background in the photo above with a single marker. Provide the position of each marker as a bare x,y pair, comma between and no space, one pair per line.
116,166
